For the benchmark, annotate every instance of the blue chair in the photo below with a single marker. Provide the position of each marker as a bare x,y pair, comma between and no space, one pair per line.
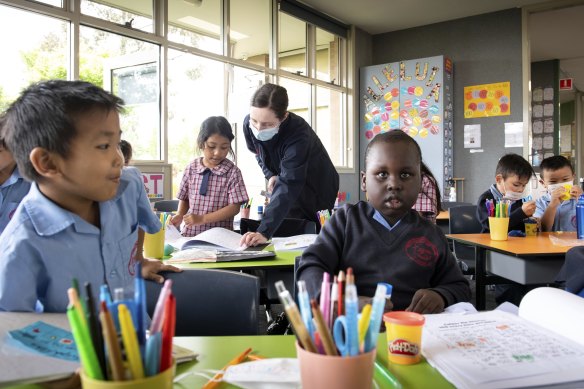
211,302
166,205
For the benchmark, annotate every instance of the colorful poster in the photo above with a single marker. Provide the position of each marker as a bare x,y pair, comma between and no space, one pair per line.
154,185
487,100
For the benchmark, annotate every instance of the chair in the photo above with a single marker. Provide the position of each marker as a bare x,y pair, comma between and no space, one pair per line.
166,205
211,302
463,220
452,204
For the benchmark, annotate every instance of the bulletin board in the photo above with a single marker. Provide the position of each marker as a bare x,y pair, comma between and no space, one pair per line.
487,100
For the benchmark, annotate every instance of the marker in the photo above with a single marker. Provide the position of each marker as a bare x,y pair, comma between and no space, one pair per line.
352,311
94,330
364,322
304,302
110,337
375,318
130,342
84,345
340,293
325,297
156,325
294,317
334,293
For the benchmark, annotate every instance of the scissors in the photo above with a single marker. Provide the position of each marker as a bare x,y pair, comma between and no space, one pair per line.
345,329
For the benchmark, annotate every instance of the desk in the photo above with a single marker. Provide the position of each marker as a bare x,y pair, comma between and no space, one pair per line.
529,260
215,352
283,260
443,215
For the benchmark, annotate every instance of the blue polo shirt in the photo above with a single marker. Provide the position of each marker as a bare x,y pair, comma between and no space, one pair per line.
45,246
12,191
565,219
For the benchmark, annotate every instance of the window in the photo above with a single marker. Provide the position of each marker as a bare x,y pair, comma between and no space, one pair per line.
206,64
38,54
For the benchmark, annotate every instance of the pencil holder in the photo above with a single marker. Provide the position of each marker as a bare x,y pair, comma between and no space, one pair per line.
244,213
319,371
499,227
404,337
161,380
154,244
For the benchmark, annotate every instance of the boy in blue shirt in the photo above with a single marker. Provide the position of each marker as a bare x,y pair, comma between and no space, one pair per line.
12,186
82,214
556,209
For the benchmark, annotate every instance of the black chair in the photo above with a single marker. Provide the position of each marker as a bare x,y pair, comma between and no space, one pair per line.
463,220
289,227
452,204
166,205
211,302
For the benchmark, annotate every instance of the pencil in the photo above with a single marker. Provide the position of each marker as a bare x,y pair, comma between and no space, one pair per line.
110,337
340,293
323,331
216,380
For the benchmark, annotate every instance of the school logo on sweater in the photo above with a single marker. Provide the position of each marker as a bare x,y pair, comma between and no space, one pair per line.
422,251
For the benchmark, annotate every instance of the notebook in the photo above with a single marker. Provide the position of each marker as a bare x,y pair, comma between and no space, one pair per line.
542,346
215,245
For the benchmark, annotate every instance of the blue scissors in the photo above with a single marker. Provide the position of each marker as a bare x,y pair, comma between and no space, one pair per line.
345,329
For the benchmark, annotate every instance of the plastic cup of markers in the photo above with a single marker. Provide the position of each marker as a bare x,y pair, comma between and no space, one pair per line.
161,380
319,371
244,213
154,244
404,337
499,228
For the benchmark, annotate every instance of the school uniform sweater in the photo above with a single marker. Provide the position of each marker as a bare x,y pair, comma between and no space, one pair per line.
307,179
516,215
413,255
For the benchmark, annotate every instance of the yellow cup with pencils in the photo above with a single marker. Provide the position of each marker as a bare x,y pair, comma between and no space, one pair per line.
161,380
154,244
498,227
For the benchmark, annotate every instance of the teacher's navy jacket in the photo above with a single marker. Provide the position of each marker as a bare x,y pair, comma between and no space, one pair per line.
307,179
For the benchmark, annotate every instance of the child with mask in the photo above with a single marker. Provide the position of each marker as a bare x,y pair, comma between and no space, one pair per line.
556,210
512,176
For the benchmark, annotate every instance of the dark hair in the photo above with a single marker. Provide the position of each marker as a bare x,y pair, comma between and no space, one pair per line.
514,164
44,116
215,125
273,97
126,148
554,163
426,171
393,136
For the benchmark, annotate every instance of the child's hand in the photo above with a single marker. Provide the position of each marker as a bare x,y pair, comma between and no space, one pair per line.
272,184
193,220
556,195
575,192
251,239
528,208
176,220
151,268
426,301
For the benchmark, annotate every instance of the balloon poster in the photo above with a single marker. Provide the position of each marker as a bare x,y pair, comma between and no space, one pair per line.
487,100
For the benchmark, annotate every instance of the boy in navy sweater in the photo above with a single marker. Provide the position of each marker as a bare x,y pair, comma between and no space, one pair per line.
384,240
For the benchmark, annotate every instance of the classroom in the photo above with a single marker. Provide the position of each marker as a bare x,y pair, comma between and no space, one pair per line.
469,82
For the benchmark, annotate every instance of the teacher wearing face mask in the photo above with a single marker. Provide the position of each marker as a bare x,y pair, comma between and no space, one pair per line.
301,176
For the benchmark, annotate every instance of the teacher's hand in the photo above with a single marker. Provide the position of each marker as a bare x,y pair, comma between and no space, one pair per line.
272,183
251,239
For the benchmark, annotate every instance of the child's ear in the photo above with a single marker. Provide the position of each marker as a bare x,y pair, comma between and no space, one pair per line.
43,162
363,182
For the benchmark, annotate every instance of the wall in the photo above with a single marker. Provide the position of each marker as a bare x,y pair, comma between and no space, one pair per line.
484,49
362,56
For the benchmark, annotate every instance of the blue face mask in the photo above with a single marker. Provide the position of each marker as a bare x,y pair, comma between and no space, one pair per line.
264,135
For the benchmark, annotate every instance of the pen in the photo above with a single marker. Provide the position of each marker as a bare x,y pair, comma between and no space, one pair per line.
304,302
351,313
294,317
325,297
156,325
364,322
168,332
216,380
94,330
375,318
323,331
74,300
152,357
130,342
104,294
110,337
333,300
340,293
140,304
84,346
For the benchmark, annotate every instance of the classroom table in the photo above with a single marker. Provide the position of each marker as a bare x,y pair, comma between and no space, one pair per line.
215,352
525,260
283,260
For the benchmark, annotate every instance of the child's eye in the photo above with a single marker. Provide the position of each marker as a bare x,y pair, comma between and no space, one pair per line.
104,146
405,175
382,175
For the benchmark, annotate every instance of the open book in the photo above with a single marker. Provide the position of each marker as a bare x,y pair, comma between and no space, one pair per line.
214,245
542,346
